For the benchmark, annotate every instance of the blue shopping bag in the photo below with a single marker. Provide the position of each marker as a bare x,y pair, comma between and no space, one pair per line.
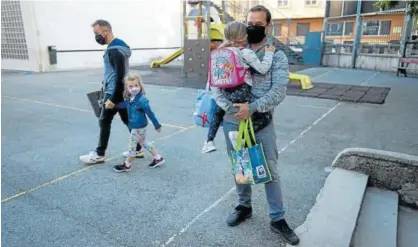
205,108
248,161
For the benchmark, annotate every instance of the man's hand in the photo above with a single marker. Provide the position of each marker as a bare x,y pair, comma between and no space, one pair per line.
270,48
109,104
243,112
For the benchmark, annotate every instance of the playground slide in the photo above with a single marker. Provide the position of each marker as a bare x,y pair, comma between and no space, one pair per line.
303,80
168,58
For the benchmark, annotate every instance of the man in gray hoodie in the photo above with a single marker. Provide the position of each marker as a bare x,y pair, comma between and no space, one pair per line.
116,66
268,91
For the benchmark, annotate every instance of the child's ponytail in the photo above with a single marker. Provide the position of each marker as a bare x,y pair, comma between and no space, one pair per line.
235,32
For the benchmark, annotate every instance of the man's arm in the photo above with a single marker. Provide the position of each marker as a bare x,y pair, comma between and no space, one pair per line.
117,61
277,92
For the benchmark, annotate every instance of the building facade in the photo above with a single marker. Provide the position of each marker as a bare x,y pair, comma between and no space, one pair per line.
377,27
29,28
357,34
294,19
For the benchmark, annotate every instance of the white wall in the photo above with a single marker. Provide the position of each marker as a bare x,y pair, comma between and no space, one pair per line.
141,24
380,63
335,60
371,62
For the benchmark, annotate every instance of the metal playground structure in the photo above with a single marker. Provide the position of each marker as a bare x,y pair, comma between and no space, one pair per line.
204,24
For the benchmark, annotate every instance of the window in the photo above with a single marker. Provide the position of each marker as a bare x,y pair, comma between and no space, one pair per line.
349,7
348,28
341,8
311,2
335,29
283,3
335,8
277,29
369,6
13,38
385,27
376,27
371,28
339,29
302,29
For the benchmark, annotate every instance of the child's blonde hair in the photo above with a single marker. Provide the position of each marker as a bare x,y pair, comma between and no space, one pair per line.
234,32
137,78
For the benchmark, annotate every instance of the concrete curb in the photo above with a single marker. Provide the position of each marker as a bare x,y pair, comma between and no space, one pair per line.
332,219
387,170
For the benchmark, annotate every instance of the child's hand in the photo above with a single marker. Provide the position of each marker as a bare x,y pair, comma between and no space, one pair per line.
158,130
270,48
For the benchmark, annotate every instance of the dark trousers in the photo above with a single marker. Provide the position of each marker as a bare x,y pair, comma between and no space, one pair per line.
215,124
105,123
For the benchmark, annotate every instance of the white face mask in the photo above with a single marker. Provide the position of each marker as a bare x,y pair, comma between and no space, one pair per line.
134,90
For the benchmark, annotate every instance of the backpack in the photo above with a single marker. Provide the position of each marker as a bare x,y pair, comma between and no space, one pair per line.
226,68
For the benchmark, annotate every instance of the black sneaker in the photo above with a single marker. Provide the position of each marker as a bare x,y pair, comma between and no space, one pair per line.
157,163
282,228
122,168
240,214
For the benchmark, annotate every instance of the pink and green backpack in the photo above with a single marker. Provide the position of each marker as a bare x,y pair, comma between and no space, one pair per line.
226,68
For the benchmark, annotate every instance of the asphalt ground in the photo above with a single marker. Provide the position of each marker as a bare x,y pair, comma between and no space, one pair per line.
49,198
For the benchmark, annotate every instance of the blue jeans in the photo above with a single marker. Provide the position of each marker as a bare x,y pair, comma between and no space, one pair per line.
267,137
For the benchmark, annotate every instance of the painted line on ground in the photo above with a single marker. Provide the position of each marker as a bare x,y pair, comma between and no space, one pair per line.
309,128
88,167
223,197
316,107
324,73
188,225
48,104
329,169
45,184
371,77
75,109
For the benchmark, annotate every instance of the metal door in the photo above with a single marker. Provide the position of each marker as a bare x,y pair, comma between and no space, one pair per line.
312,49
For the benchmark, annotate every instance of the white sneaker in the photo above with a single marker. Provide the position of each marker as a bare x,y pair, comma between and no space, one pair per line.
92,158
233,136
208,147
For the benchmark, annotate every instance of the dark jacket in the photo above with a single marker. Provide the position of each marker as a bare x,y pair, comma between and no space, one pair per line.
116,66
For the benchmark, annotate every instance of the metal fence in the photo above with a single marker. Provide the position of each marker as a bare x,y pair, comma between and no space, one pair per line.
375,31
350,28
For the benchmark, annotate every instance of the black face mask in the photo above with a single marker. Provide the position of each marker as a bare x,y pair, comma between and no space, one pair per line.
256,34
100,39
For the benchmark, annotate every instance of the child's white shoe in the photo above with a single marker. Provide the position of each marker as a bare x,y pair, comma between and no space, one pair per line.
208,147
137,154
233,136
